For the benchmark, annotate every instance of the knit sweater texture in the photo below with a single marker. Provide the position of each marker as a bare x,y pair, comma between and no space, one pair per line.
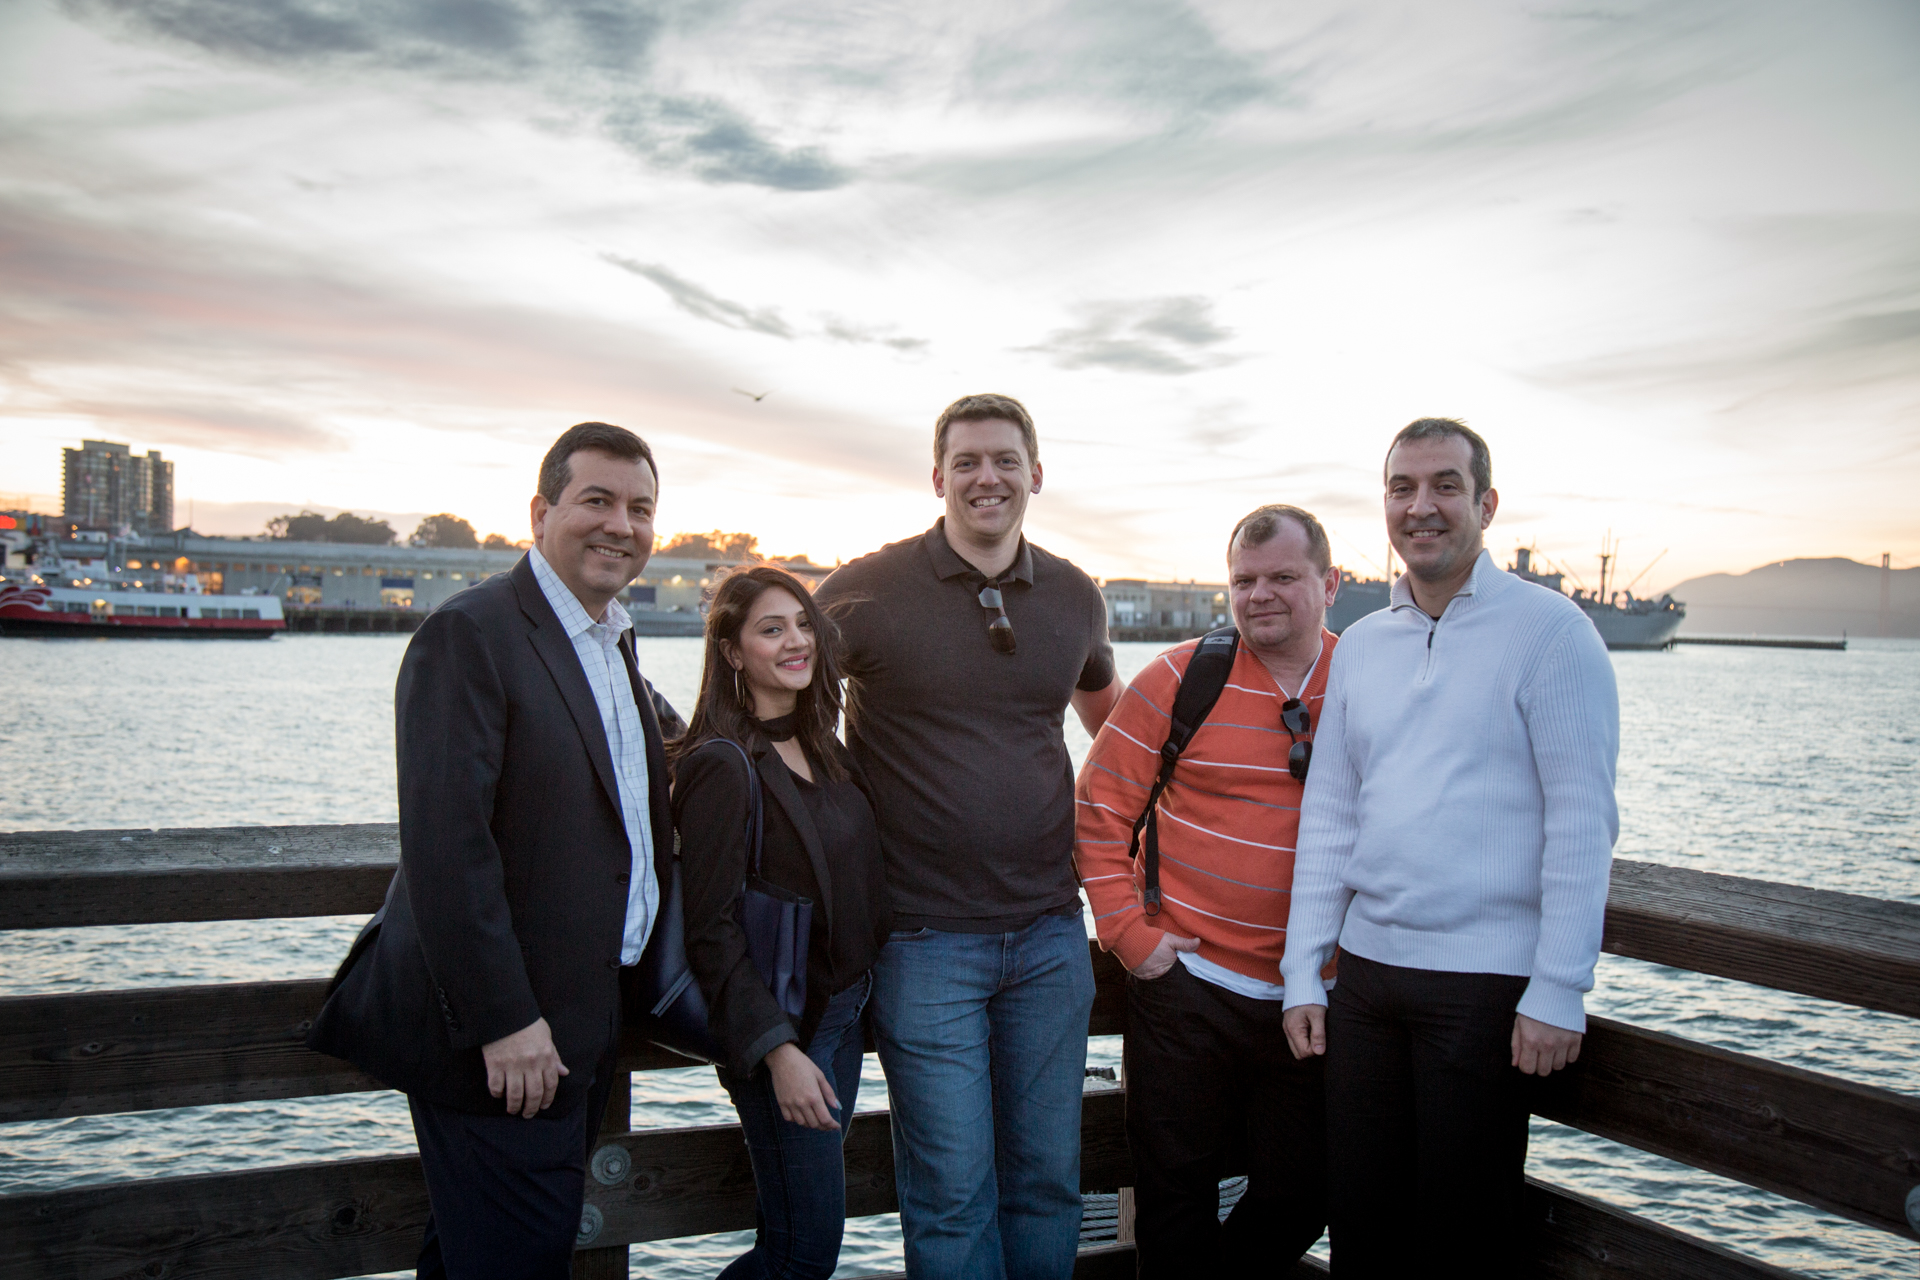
1227,819
1460,814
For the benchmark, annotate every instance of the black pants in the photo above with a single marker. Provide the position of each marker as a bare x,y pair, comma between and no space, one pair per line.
1426,1122
506,1192
1212,1091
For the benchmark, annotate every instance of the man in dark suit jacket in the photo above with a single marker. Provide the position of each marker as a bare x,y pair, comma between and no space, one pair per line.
533,802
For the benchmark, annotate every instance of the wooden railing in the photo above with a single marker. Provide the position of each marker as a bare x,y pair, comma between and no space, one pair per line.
1846,1148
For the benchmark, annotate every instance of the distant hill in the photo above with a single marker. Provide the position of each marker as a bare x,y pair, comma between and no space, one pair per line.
1800,598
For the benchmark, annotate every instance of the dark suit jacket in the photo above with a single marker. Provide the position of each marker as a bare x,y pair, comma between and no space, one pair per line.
847,883
511,897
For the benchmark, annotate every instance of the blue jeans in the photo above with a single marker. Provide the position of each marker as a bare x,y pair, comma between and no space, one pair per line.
984,1040
799,1176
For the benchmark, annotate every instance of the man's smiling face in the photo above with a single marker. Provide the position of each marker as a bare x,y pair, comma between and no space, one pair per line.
600,533
1434,519
986,478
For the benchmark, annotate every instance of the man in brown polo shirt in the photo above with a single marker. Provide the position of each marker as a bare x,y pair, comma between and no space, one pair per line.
964,647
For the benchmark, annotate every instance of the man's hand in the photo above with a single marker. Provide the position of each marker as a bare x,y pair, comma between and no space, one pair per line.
1540,1048
805,1097
1306,1028
1160,959
525,1067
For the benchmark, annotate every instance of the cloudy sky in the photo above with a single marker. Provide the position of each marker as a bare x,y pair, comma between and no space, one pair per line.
375,254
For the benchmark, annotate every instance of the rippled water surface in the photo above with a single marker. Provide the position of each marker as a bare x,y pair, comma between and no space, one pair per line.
1785,765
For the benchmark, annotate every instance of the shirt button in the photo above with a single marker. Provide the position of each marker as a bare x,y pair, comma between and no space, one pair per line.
614,963
623,877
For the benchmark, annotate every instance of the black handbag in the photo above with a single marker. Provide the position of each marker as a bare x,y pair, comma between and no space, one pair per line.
778,924
665,1003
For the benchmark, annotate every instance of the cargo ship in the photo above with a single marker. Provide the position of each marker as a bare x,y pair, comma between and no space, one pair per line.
1624,620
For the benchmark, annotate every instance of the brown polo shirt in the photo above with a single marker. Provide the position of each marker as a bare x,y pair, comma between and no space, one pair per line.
962,744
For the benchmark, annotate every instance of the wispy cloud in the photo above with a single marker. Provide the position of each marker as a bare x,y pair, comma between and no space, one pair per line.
849,331
719,144
1157,335
1157,57
703,303
594,59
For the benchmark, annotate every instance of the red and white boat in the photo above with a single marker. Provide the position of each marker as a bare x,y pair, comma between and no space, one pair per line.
33,607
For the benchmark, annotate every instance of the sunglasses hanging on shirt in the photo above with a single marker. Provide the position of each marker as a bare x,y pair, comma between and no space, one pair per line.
1297,720
1000,630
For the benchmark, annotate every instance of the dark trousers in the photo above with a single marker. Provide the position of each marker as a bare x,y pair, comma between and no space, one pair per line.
1426,1122
506,1192
1212,1091
800,1174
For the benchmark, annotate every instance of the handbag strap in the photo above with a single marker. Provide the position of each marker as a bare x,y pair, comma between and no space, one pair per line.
755,820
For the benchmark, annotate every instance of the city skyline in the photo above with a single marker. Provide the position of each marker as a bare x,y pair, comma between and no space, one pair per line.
355,257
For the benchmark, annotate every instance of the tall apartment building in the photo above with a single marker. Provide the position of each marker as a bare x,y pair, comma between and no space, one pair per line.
106,485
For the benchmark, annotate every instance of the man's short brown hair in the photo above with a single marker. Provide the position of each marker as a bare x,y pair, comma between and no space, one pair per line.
986,407
1481,464
1260,524
556,469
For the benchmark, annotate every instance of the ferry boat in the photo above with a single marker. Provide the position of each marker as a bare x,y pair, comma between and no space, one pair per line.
1624,620
34,606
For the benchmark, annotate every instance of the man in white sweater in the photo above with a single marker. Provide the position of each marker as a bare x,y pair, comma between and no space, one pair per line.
1455,841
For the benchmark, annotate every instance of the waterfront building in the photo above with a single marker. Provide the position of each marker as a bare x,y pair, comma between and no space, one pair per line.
1189,607
105,485
336,575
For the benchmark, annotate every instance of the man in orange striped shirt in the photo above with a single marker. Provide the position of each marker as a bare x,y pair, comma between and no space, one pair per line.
1211,1085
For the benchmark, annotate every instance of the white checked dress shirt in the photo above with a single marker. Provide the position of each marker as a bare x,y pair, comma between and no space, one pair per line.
598,647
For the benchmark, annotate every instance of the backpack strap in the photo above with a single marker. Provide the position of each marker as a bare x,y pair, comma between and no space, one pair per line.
1200,687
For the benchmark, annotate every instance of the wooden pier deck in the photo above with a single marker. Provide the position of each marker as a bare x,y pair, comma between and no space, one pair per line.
1849,1149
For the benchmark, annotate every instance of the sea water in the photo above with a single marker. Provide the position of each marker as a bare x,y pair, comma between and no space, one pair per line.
1786,765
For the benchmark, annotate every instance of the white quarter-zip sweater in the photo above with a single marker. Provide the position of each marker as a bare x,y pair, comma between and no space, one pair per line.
1459,815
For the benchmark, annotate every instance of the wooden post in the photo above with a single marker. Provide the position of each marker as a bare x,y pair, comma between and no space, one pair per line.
609,1263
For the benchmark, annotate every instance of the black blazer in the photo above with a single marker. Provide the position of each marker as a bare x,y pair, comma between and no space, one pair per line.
851,914
511,897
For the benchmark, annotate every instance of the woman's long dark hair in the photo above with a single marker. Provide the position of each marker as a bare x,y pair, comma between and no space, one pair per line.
721,712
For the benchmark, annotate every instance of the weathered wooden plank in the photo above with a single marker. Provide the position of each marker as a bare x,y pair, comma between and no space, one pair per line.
319,1221
1576,1237
352,1217
700,1180
1848,1148
1116,1262
52,879
294,1222
100,1052
1838,946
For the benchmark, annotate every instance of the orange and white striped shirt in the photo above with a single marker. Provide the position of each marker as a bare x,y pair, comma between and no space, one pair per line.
1227,820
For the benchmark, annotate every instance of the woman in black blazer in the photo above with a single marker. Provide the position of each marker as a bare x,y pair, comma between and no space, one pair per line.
771,685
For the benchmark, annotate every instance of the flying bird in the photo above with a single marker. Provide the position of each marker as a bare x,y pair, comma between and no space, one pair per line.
755,398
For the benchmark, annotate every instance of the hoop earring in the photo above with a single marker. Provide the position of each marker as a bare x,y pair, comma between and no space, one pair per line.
739,691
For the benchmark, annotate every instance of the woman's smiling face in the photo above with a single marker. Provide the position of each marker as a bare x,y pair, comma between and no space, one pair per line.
775,654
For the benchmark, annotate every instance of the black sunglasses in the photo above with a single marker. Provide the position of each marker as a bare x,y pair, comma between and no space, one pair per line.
1296,720
1000,630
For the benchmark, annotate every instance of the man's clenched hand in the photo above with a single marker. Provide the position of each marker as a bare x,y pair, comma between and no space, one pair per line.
1540,1048
1306,1028
525,1068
